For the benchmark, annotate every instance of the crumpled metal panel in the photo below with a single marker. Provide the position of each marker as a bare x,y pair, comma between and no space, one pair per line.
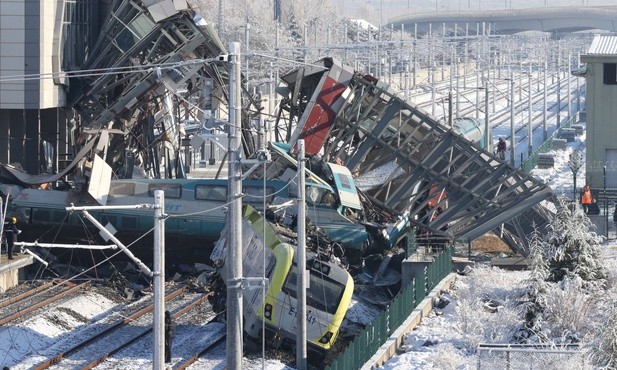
446,184
130,40
135,63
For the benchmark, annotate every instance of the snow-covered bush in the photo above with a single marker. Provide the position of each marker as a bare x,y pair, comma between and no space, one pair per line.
485,312
469,321
573,248
568,310
602,345
448,357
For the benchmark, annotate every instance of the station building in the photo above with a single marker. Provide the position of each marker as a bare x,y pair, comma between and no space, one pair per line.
601,107
40,40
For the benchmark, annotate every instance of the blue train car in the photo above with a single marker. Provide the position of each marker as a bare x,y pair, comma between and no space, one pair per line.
473,130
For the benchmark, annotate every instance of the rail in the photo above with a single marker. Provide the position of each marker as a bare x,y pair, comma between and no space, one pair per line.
36,306
135,338
79,346
29,293
367,342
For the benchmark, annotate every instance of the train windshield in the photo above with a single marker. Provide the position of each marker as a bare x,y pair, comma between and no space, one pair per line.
323,294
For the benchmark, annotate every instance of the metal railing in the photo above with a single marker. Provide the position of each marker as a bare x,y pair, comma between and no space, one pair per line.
366,344
530,356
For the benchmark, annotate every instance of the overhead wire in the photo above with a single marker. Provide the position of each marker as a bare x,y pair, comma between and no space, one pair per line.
11,329
110,71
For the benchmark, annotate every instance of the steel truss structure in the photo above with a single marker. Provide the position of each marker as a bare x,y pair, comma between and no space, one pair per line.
445,183
141,58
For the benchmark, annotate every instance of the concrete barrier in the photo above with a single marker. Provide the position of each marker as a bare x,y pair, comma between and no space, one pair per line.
545,160
11,272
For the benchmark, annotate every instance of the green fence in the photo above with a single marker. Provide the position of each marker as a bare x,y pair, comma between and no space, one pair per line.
366,344
531,161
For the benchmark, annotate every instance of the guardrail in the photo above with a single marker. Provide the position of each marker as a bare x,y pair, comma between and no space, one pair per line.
366,344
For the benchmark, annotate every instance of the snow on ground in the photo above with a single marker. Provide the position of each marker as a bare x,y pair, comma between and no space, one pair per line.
448,338
55,329
361,313
24,342
560,177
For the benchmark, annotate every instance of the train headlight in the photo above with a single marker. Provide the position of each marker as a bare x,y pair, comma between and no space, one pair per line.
326,338
321,267
268,311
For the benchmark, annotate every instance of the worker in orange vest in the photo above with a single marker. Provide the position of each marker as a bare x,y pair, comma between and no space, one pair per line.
586,198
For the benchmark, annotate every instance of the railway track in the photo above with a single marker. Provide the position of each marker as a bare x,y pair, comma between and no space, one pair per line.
106,333
501,119
106,348
28,302
18,298
192,340
217,336
126,344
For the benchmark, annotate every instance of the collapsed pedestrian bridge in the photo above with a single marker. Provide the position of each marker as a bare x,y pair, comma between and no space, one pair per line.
441,180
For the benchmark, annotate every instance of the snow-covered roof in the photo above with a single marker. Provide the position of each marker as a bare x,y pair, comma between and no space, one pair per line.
365,25
603,45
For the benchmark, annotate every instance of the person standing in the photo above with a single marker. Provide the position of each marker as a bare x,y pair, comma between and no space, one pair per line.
501,148
586,198
10,235
169,335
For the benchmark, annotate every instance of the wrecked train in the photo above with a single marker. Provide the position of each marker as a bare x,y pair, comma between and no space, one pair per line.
268,253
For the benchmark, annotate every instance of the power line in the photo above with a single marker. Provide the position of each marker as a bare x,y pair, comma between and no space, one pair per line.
108,71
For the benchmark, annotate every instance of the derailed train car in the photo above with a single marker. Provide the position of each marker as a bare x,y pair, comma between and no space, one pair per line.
267,253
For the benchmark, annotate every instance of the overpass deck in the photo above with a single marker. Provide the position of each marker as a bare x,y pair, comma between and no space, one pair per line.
509,21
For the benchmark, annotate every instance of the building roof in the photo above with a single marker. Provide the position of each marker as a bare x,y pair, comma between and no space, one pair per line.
603,45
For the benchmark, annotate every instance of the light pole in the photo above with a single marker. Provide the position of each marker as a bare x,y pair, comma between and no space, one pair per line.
487,134
512,152
605,201
575,164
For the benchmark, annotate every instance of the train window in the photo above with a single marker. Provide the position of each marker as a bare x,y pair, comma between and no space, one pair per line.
323,294
312,194
129,223
610,73
211,192
122,188
345,181
170,190
41,215
112,220
58,216
256,193
316,195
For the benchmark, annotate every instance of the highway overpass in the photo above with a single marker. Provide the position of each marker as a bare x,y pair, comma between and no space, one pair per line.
510,21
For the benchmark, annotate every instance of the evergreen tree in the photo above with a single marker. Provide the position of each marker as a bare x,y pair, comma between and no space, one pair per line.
532,296
573,248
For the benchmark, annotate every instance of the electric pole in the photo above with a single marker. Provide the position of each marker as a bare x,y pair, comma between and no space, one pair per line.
234,249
